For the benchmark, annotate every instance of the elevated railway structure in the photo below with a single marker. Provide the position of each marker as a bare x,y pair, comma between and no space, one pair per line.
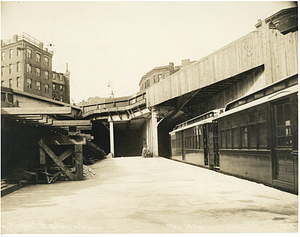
264,56
122,127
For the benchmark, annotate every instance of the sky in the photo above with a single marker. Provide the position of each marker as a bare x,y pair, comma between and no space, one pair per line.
121,41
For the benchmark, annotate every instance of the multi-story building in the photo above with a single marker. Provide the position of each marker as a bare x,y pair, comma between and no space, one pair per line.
27,66
157,74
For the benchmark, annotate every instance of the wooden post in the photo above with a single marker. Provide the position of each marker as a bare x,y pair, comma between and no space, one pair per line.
78,162
111,134
42,157
60,164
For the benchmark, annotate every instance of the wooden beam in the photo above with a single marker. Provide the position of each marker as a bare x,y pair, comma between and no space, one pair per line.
49,121
60,164
78,127
78,162
59,123
66,154
36,117
65,140
42,157
33,111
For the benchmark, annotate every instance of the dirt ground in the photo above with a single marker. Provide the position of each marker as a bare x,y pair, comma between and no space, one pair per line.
149,195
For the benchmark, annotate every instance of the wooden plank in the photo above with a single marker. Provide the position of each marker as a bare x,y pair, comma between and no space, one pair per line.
60,164
66,154
65,140
59,123
49,121
42,157
29,116
36,118
39,110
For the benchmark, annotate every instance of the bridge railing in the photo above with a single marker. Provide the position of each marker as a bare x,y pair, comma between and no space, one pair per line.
116,103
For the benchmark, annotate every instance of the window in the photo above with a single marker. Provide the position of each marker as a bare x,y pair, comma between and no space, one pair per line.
2,70
29,83
228,135
61,98
235,134
38,57
61,87
252,131
29,53
46,75
252,136
46,61
18,51
223,139
147,83
10,53
18,66
54,76
2,83
262,129
10,98
159,77
10,83
200,138
154,79
10,68
47,88
18,81
60,77
38,71
29,69
54,86
2,55
38,86
283,125
244,136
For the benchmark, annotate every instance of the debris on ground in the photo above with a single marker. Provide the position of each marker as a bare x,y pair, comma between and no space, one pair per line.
89,173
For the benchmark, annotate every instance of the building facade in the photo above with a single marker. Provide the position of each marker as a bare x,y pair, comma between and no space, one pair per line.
27,66
157,74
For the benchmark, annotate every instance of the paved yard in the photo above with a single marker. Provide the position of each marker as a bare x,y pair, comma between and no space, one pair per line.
150,195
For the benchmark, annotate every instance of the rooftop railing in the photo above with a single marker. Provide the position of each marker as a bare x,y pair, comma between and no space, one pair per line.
25,37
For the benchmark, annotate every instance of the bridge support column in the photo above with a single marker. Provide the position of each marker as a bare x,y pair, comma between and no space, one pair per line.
154,134
111,135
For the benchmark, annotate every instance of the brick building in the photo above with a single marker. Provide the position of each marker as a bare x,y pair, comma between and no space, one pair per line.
27,66
157,74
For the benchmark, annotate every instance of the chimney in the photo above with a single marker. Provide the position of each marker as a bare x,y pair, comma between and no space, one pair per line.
41,45
15,38
67,68
185,62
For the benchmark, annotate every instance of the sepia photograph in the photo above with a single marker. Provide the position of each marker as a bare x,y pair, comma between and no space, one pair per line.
149,117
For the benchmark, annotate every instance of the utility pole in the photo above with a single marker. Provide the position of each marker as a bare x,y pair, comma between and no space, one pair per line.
111,88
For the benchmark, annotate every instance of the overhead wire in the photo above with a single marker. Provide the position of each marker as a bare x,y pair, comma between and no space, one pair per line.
54,21
50,44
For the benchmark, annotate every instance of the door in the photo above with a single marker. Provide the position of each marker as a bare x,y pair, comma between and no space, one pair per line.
284,159
182,134
205,143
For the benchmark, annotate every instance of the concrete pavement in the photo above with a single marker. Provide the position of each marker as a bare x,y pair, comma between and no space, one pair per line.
150,195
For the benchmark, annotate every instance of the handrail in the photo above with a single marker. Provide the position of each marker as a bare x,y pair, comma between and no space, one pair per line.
132,102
